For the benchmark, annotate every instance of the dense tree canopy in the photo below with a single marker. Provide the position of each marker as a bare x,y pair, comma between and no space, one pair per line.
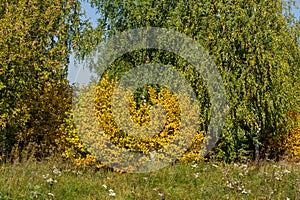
254,45
35,45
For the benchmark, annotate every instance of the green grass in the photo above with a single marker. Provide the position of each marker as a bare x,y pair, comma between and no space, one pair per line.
268,180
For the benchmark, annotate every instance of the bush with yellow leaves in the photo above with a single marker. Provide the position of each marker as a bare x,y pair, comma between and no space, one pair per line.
292,140
166,140
69,144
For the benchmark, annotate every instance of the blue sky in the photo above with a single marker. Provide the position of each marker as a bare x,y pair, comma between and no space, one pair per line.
297,11
77,74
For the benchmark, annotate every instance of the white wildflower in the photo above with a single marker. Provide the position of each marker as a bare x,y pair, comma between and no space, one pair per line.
46,176
105,186
194,165
112,193
214,165
244,166
50,194
277,176
160,194
56,171
51,180
229,185
196,175
244,191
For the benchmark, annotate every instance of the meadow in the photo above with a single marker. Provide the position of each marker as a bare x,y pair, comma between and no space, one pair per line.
57,179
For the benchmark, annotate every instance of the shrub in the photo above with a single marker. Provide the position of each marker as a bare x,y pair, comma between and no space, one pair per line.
292,140
140,114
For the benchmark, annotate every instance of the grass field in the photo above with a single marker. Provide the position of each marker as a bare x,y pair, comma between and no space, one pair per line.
205,180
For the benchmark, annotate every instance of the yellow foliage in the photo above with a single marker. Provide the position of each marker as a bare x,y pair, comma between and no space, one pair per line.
140,114
68,142
87,161
292,141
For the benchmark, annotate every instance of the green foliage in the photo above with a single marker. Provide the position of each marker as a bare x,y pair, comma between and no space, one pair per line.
254,46
35,44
